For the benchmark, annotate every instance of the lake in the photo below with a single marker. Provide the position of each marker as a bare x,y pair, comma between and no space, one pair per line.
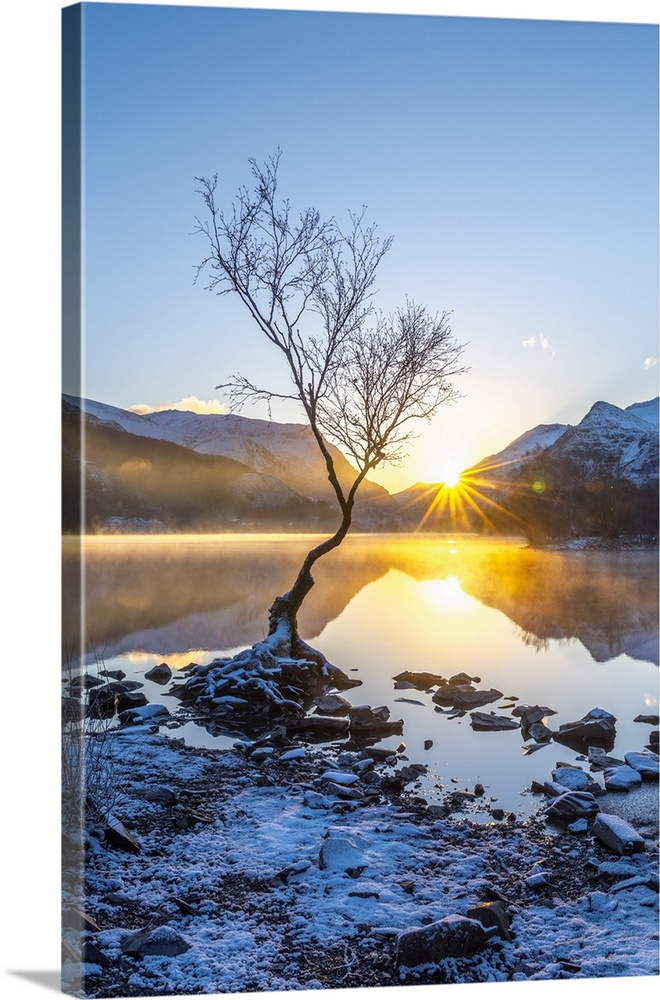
572,630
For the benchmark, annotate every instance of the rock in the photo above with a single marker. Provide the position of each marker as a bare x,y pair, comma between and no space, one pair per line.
579,825
649,720
340,777
463,678
131,699
345,791
318,726
117,675
492,914
482,722
428,744
464,696
161,940
599,760
93,955
83,682
529,714
340,853
597,728
646,762
537,880
331,704
161,674
143,713
366,721
421,681
296,754
622,778
572,805
118,836
539,733
617,834
479,790
452,937
571,777
159,794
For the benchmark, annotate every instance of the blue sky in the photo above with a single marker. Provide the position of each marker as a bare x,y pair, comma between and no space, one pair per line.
514,161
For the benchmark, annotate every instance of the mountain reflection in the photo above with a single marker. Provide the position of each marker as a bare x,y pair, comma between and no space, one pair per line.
172,594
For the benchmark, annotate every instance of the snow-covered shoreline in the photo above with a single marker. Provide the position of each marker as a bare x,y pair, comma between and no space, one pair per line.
262,868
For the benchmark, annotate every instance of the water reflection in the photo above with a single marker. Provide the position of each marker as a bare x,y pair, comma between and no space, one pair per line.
200,593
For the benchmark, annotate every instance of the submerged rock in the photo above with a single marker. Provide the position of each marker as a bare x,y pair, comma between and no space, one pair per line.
464,696
161,673
483,722
366,722
421,681
596,728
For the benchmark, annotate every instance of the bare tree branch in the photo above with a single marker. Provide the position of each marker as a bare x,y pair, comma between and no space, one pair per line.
362,378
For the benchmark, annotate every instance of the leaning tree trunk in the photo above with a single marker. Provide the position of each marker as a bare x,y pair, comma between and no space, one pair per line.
283,613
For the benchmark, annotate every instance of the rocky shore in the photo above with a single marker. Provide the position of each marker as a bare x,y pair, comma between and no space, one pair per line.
281,864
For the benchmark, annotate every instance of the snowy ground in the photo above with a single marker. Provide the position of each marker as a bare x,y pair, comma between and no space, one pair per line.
259,874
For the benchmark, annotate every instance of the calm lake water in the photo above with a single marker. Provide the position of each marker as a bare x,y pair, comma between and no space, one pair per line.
570,630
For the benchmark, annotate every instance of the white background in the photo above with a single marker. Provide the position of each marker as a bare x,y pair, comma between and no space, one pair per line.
30,655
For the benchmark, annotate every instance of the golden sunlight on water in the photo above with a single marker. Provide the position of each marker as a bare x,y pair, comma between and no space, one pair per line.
571,630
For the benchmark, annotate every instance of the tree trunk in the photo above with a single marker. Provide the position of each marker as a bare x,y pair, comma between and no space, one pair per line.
283,613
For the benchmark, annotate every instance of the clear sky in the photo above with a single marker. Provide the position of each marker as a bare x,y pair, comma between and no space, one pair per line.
514,161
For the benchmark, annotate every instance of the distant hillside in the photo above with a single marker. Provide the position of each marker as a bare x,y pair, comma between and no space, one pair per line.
555,481
191,472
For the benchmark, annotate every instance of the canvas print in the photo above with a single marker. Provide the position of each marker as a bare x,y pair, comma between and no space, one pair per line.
360,500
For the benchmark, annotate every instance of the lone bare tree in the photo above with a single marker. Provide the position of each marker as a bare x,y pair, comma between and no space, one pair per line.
361,377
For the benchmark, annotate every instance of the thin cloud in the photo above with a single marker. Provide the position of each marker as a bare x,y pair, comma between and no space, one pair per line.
650,363
190,404
541,342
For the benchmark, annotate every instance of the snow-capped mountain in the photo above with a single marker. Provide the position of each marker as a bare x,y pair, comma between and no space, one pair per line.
183,471
622,442
287,452
524,447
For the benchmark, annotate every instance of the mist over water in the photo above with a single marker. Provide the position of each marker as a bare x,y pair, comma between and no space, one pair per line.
570,630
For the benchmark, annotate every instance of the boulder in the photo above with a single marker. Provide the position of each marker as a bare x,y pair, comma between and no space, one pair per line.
538,732
622,778
331,704
161,674
340,853
492,914
143,713
596,728
118,836
452,937
161,940
571,777
366,722
617,834
571,806
645,762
